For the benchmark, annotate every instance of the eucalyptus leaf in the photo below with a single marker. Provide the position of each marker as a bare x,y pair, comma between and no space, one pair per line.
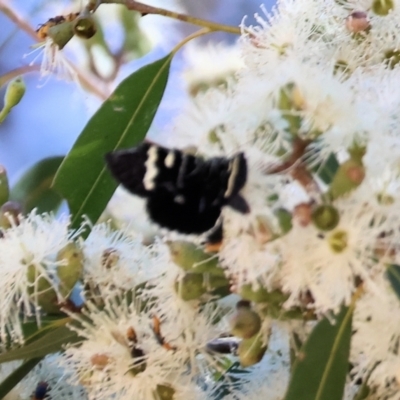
393,274
319,372
121,122
46,344
327,169
17,375
33,190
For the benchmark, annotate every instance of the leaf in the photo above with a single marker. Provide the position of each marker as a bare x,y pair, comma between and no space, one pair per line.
319,372
49,343
327,170
122,121
33,190
17,375
230,380
393,274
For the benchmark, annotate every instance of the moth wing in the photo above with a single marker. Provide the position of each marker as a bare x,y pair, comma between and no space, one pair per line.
128,168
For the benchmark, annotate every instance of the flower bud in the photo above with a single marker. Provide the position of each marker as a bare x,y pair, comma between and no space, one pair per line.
4,186
164,392
325,217
10,212
41,290
190,287
70,267
62,33
245,323
382,7
290,101
251,351
14,93
349,176
284,219
338,241
193,259
261,295
85,27
392,58
357,22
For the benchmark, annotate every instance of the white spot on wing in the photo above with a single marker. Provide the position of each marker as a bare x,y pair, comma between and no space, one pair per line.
234,168
151,169
170,159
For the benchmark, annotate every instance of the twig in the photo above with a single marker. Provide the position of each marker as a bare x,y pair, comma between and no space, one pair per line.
24,26
145,9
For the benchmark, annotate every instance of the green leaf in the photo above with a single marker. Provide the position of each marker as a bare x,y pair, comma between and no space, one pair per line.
230,380
49,343
393,274
17,375
327,170
121,122
319,372
33,190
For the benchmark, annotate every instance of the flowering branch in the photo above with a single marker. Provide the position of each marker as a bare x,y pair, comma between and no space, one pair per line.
145,9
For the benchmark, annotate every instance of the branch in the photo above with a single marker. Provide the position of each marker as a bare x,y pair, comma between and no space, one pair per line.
145,9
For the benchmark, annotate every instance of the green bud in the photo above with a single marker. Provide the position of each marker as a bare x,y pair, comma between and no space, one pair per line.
284,219
10,212
14,93
4,186
392,58
338,241
261,295
325,217
190,287
382,7
85,27
245,323
290,102
164,392
191,258
70,267
251,351
349,176
42,291
62,33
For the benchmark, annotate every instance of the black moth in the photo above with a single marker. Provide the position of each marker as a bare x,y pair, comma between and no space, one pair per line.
184,192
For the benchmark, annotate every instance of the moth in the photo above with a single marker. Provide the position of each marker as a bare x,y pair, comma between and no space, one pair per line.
183,192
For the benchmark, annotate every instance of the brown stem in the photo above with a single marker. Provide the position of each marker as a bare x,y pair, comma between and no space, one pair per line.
16,72
295,166
145,9
12,15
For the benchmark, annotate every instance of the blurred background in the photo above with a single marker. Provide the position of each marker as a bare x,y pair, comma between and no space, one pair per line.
54,110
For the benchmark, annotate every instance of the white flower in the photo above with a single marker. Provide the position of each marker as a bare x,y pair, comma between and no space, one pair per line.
116,260
374,349
121,354
54,61
210,65
28,260
46,380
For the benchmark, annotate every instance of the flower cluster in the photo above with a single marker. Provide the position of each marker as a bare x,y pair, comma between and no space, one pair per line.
314,109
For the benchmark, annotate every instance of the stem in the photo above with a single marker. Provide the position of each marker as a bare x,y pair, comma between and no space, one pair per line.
194,35
12,15
24,26
146,9
16,72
